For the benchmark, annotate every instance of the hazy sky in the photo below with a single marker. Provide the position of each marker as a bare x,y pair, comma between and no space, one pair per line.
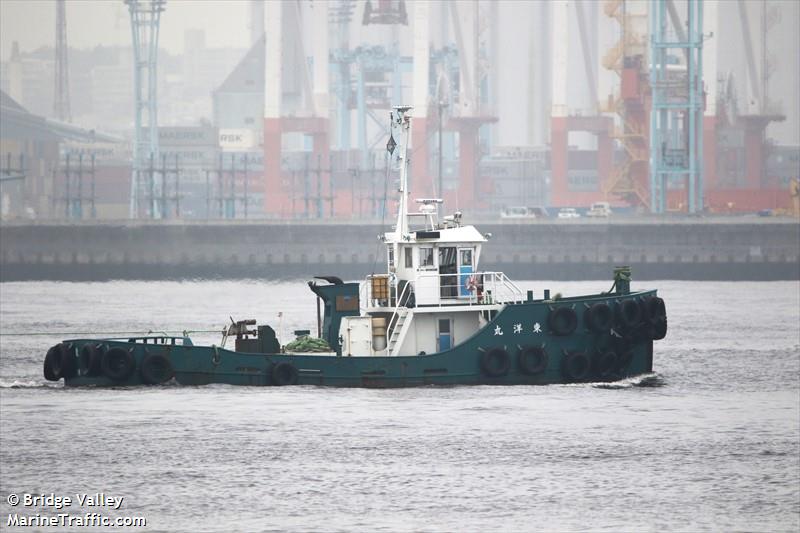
105,22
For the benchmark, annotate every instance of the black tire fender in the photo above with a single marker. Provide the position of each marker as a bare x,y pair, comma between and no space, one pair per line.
624,359
69,361
118,363
156,368
655,310
599,317
495,362
562,321
629,313
52,364
90,360
659,329
576,366
283,374
532,360
605,362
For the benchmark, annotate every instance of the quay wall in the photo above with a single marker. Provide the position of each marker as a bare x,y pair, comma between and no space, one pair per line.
575,249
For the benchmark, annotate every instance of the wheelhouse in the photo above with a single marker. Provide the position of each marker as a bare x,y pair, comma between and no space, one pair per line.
433,294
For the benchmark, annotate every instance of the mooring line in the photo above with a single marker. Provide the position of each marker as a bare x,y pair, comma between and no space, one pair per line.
182,333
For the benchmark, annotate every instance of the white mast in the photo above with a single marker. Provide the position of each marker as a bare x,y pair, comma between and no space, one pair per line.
402,118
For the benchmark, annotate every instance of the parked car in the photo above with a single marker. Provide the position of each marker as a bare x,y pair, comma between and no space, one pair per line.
568,212
599,209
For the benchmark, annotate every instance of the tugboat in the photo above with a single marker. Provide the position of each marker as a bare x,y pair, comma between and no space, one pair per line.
433,318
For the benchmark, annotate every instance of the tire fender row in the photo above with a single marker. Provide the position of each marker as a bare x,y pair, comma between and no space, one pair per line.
631,319
117,363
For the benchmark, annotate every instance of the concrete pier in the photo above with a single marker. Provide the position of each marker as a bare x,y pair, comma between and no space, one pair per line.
685,248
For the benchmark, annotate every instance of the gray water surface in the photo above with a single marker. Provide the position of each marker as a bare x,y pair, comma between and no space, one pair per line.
711,441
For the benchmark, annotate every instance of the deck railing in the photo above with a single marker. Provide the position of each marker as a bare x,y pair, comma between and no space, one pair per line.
435,289
155,339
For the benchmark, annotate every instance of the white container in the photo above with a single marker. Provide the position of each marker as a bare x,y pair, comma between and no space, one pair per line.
356,333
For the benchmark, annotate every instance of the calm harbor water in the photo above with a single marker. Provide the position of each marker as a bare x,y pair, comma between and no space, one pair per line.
711,441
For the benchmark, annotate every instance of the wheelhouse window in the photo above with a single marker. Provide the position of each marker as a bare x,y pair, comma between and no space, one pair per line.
448,267
426,256
466,257
391,259
409,256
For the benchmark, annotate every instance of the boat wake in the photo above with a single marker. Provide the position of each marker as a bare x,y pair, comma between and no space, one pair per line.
27,384
644,380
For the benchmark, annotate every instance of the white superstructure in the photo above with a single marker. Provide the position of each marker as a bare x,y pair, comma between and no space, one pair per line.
433,296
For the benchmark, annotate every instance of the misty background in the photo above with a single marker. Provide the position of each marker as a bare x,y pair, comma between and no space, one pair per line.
211,94
201,42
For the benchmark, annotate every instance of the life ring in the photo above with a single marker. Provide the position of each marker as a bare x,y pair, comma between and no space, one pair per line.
604,362
629,314
156,369
598,317
562,321
576,366
118,364
90,359
284,374
52,364
495,362
532,360
471,283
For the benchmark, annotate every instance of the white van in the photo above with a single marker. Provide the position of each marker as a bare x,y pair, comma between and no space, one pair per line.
568,212
599,209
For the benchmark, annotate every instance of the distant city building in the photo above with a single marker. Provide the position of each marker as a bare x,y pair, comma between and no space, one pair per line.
112,96
30,81
101,82
239,99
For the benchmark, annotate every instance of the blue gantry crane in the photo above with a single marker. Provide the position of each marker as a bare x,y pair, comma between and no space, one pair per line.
145,18
676,113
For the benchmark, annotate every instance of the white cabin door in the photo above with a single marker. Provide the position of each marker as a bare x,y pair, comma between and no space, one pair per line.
466,267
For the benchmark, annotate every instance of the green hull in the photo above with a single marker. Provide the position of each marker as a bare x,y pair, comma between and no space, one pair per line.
431,278
500,353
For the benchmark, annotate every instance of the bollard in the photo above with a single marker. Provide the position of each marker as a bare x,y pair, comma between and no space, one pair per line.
622,279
